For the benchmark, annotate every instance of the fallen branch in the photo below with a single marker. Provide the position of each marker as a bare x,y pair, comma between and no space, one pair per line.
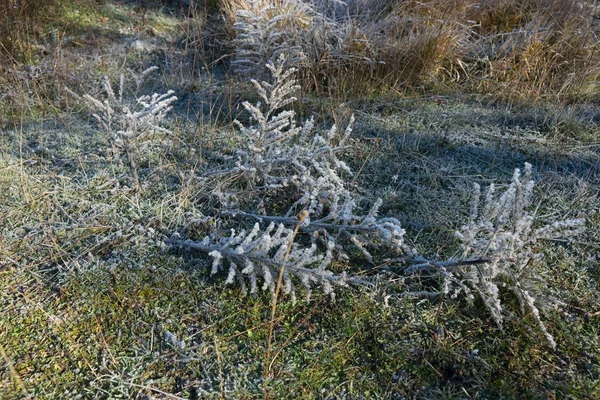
438,265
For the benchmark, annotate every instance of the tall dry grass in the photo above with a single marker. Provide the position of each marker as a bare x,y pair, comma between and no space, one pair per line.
535,48
531,49
20,20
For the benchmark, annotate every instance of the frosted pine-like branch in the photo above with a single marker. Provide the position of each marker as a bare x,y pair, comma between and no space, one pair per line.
133,121
281,154
272,128
362,231
278,152
264,34
255,255
129,124
503,233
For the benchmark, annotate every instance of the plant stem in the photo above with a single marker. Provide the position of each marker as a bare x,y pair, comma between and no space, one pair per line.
267,371
132,166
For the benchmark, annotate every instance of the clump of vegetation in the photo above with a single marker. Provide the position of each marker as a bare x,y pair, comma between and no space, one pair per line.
20,20
263,35
253,190
130,124
516,49
497,244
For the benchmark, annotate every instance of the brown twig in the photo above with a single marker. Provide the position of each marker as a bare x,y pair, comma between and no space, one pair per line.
301,217
13,372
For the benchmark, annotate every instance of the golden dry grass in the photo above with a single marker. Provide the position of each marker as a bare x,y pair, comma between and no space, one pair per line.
532,49
19,20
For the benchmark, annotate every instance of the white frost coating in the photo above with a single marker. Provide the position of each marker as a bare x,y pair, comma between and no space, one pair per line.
499,239
217,257
130,124
231,275
259,39
501,232
279,153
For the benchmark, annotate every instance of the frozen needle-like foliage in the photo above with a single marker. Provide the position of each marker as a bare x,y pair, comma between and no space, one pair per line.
502,233
299,166
302,164
130,123
272,128
338,228
280,154
256,256
264,32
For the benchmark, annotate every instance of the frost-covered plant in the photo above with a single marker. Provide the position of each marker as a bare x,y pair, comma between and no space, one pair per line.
280,154
264,32
129,124
502,234
499,244
277,152
267,142
334,212
337,227
261,253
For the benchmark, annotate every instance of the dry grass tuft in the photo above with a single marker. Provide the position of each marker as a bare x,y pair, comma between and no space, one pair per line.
536,49
532,49
19,20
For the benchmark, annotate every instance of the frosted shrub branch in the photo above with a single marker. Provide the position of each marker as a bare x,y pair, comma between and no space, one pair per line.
279,154
264,34
300,165
260,253
502,232
130,124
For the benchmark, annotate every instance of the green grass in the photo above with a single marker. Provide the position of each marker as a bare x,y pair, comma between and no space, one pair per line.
91,297
101,333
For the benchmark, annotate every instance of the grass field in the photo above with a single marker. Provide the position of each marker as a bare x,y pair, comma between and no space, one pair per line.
95,304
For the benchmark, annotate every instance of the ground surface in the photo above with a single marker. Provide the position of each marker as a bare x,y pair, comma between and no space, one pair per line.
94,305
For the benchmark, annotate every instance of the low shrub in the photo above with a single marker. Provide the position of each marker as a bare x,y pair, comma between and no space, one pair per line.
279,158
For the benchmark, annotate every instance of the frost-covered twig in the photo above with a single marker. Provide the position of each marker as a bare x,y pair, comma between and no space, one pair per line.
260,254
264,34
281,154
308,227
278,154
440,265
